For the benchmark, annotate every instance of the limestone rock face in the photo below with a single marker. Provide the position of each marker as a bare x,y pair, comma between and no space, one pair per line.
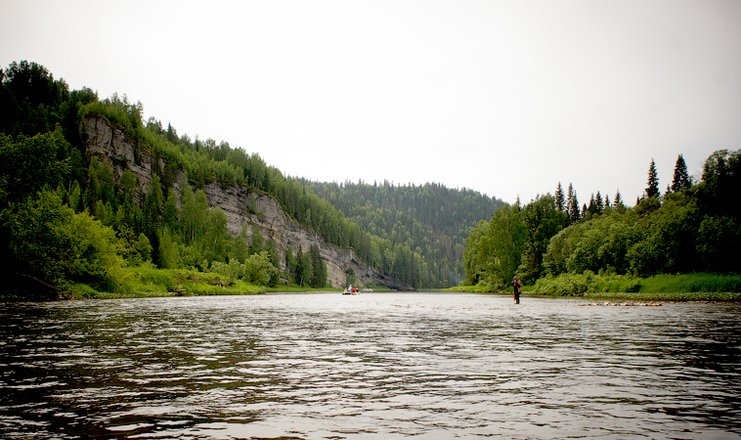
110,144
243,208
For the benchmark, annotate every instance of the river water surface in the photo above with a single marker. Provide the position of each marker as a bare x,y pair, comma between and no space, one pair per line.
420,365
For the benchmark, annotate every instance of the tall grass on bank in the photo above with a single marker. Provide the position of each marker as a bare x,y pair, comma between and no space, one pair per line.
679,287
578,284
147,281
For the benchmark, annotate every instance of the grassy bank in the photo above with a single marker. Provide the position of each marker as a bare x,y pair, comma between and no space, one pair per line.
143,282
147,281
679,287
150,282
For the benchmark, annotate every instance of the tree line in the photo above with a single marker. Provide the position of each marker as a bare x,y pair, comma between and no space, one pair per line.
411,235
65,218
431,219
691,227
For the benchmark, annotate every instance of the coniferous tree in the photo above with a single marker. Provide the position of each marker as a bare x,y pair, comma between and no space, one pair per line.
257,241
592,208
304,268
681,179
573,208
318,268
652,190
560,199
618,200
153,207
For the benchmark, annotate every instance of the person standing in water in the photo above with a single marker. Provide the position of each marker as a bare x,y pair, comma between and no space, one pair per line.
517,286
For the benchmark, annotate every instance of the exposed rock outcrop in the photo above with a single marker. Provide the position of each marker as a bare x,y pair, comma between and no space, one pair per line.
242,206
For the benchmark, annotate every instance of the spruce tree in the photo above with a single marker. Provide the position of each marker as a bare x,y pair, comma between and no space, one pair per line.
652,190
592,208
618,200
318,267
560,200
573,205
681,179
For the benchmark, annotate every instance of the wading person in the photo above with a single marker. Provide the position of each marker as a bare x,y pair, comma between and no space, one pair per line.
517,286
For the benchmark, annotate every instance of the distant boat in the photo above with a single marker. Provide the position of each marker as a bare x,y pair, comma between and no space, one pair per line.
350,290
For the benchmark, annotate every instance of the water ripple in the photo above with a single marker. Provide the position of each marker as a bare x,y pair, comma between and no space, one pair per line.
379,365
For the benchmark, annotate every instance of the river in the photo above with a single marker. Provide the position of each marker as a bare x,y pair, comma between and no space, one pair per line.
380,365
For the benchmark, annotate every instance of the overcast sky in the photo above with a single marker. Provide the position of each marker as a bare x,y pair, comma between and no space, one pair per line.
504,97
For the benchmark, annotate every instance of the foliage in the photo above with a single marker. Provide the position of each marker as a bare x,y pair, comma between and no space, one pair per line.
429,220
258,269
691,283
493,250
570,284
691,228
543,219
600,243
652,188
151,281
38,245
55,246
681,179
30,99
119,111
718,244
30,164
589,283
95,254
68,220
669,242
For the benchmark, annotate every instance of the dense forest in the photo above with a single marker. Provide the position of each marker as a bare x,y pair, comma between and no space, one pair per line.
66,220
431,219
691,227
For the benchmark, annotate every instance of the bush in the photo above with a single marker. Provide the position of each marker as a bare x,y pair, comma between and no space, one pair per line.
564,285
692,282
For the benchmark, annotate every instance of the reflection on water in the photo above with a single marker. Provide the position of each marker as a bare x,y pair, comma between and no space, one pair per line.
377,365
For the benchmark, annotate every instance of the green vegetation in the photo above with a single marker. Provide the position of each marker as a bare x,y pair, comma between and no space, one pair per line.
75,224
431,219
71,225
557,249
147,281
665,287
132,220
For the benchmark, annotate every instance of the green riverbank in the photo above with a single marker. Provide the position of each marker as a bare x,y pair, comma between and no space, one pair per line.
679,287
150,282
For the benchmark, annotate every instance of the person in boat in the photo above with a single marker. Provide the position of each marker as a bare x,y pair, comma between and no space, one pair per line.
517,286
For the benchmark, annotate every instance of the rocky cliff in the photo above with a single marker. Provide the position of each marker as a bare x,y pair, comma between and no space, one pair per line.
241,206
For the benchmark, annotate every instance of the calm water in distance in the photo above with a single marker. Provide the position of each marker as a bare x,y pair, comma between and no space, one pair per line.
419,365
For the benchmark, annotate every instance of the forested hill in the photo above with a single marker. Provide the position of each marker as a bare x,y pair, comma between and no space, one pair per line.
694,226
90,193
430,219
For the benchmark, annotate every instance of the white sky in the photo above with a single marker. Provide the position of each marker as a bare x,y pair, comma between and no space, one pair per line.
504,97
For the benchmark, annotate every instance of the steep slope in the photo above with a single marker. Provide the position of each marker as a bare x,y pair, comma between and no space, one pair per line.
242,206
431,218
121,187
